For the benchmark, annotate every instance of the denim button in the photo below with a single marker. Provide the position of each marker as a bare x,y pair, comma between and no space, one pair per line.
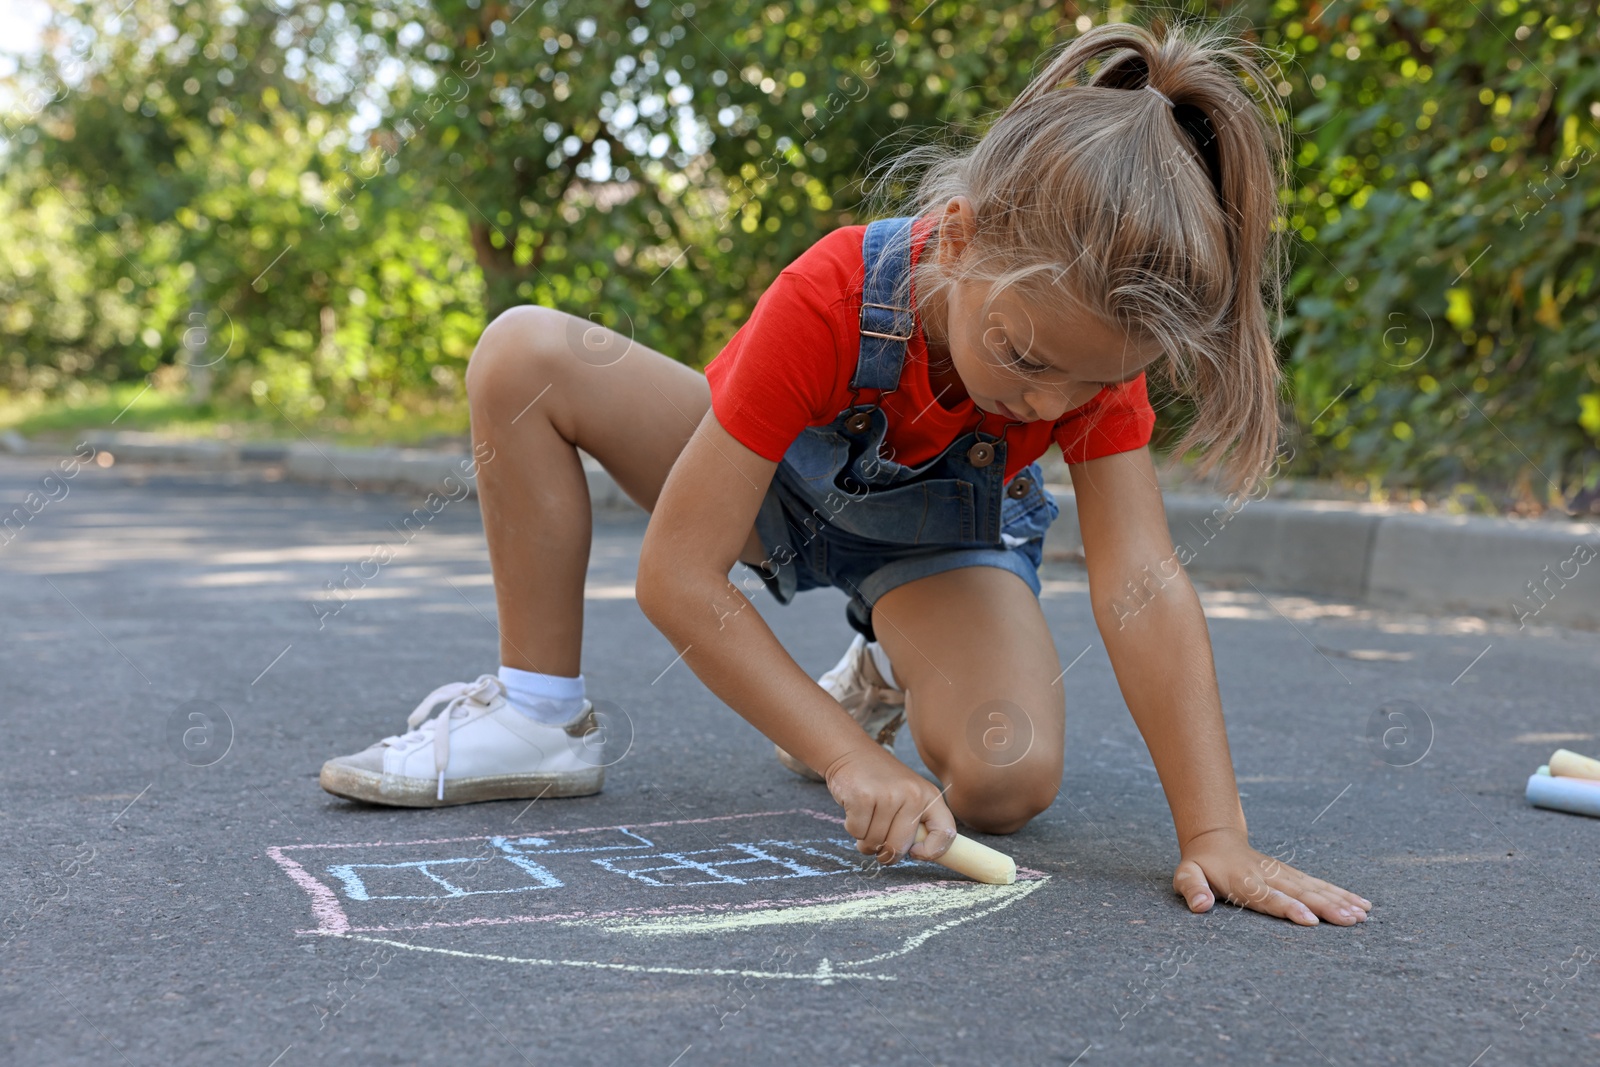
1019,487
859,422
981,454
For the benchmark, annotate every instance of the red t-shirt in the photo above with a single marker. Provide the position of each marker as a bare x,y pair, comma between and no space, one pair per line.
789,366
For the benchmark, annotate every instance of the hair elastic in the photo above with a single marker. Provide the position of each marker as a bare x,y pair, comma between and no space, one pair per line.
1161,94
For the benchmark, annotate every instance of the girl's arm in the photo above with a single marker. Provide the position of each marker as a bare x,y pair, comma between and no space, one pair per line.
700,524
1155,634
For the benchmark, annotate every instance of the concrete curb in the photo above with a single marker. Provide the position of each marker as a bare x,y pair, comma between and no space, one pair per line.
1530,570
1527,570
360,468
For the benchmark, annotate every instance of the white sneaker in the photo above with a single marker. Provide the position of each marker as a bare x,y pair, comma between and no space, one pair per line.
478,747
858,687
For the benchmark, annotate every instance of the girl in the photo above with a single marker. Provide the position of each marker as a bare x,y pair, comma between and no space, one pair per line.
875,426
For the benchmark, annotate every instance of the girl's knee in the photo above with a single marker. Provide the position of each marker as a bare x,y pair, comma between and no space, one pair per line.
1002,800
506,359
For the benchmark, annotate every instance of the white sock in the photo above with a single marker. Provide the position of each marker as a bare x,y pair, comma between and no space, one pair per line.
547,698
880,660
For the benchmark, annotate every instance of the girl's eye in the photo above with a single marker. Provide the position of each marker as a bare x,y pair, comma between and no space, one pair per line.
1018,363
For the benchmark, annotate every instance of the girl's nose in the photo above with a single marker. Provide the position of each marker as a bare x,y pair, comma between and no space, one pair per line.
1047,406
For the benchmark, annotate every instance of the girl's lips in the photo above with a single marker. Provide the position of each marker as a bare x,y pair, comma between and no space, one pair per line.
1008,413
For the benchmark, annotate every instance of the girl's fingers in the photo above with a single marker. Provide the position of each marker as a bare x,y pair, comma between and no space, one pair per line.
1309,884
1277,902
1351,899
877,834
1190,883
941,826
1326,899
902,833
1345,904
1334,909
1282,891
1253,893
1322,898
858,824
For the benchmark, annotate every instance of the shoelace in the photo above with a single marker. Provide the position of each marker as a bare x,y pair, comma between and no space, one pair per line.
853,677
477,694
883,694
881,698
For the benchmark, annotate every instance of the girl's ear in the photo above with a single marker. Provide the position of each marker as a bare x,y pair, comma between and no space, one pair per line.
955,230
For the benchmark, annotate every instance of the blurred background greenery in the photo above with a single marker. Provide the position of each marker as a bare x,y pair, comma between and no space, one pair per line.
261,219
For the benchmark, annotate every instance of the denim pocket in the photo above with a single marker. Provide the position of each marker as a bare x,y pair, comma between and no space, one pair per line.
1026,518
933,512
816,455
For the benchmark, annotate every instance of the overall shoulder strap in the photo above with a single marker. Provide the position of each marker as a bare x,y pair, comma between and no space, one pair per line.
885,326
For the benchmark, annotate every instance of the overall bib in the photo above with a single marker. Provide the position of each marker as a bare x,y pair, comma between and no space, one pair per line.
840,512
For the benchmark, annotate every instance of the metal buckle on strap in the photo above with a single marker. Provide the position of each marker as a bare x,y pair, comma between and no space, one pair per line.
874,333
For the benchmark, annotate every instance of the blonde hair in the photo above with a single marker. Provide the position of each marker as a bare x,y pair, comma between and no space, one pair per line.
1162,217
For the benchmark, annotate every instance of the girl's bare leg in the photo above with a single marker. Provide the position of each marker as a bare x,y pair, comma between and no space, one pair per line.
540,385
984,696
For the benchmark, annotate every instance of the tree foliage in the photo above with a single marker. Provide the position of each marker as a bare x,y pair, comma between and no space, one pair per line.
1444,325
318,206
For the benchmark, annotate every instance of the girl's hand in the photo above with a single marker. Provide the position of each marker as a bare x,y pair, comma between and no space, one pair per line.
884,801
1221,862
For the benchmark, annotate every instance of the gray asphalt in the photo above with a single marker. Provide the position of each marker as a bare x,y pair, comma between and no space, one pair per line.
180,890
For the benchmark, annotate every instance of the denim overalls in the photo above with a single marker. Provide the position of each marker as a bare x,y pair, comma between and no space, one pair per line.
840,513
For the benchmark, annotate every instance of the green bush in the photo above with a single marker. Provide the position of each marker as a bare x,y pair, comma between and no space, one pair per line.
1443,326
314,210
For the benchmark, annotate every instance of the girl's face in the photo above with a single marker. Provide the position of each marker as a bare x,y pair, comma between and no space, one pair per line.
1030,360
1035,363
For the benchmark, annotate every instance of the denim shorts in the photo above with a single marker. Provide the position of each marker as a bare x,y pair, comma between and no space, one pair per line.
825,555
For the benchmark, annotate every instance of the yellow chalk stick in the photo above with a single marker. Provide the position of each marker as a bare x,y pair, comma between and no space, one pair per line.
1568,764
978,862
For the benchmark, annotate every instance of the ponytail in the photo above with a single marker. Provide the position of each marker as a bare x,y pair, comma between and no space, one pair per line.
1157,211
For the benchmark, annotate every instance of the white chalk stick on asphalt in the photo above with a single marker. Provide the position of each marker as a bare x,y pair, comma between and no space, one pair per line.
1564,794
1568,764
1544,769
978,862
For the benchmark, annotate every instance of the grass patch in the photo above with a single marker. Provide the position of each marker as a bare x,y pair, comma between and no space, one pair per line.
137,406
